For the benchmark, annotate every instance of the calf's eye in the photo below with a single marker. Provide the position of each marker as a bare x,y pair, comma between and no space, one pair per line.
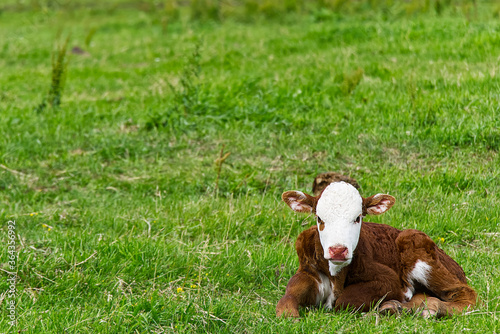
358,220
321,224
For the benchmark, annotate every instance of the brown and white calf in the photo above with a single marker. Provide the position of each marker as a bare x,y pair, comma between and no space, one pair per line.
346,263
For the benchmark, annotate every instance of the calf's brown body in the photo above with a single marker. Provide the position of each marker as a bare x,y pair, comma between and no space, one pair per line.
383,269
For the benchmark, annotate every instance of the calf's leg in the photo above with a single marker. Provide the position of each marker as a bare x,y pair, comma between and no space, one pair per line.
437,272
454,297
384,285
428,306
301,290
362,296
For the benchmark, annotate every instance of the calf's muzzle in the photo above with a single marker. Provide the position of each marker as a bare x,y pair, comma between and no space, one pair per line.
338,253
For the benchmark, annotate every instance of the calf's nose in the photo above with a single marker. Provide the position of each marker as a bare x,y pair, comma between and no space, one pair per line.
338,253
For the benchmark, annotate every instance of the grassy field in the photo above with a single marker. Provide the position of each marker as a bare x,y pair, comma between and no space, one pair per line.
127,220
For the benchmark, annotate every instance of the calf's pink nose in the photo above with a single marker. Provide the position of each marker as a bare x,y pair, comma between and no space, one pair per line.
338,253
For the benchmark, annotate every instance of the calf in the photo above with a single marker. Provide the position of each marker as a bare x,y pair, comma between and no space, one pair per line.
346,263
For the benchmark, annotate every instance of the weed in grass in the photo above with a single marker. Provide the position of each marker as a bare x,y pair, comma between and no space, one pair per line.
438,7
293,5
186,100
170,14
351,81
171,9
337,5
496,12
270,8
186,95
59,68
206,9
90,35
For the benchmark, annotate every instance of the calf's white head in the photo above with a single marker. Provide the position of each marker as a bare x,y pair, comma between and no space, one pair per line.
339,211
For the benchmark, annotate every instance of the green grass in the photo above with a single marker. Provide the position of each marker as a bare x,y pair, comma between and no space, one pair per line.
114,192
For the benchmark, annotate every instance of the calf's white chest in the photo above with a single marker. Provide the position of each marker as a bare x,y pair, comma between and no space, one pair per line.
325,292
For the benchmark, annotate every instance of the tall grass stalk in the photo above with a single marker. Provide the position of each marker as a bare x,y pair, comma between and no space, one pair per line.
218,163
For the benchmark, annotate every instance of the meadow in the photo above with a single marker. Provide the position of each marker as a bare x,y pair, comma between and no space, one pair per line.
144,150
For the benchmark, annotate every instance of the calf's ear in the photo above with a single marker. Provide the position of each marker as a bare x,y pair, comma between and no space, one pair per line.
299,201
377,204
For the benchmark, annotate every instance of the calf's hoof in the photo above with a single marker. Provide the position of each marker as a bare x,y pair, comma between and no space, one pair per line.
391,307
287,307
426,314
287,313
430,308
